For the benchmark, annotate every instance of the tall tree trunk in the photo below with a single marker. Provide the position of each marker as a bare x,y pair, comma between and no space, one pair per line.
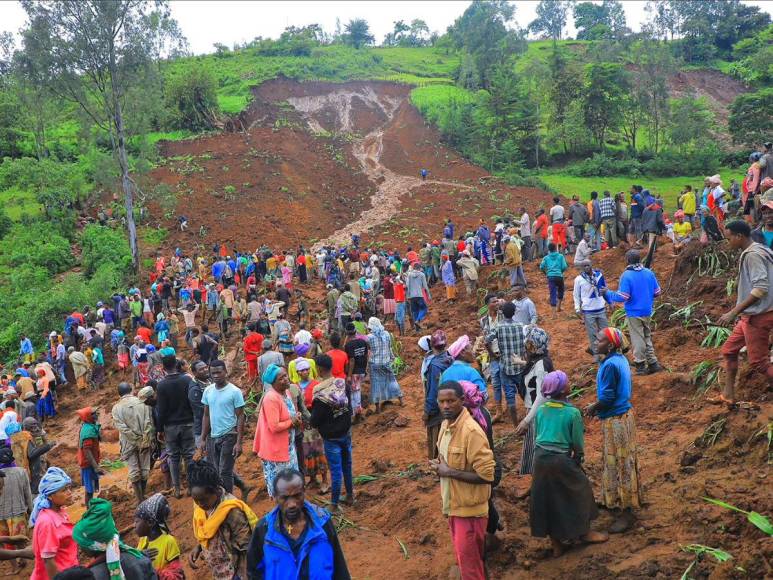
123,161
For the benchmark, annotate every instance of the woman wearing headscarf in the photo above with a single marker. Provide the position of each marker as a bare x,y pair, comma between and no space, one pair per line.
161,328
80,366
153,533
562,504
461,350
98,538
222,525
301,350
538,364
52,539
314,461
284,336
274,439
620,489
383,383
475,402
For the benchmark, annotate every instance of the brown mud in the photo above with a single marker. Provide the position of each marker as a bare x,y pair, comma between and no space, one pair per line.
678,465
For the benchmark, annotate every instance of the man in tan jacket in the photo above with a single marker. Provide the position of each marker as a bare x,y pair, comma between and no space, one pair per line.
514,261
132,418
465,465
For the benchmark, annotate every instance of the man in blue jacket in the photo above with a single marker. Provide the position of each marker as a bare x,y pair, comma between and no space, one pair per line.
637,290
296,539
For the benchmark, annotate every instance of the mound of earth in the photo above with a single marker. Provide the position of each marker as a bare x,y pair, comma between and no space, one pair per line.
318,162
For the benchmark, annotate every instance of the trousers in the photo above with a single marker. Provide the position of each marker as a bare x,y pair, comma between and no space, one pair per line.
595,322
220,453
180,444
641,340
339,459
468,537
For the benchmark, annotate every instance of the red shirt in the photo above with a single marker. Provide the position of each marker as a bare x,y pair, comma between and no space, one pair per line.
301,260
52,536
308,394
412,256
340,360
542,224
253,346
399,288
93,445
461,246
145,333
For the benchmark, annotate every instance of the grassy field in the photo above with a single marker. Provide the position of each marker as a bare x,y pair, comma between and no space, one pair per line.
668,187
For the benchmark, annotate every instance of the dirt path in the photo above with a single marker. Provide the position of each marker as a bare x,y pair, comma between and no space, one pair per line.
368,150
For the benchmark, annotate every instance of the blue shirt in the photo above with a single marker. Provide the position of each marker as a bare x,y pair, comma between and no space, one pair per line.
217,269
554,265
222,405
637,205
613,386
637,291
461,371
25,347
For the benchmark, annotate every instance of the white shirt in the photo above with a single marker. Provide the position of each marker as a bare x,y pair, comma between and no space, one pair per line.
525,225
557,213
586,298
302,337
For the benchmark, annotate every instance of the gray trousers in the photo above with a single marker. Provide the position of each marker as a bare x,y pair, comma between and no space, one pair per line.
220,453
611,231
180,444
641,340
595,322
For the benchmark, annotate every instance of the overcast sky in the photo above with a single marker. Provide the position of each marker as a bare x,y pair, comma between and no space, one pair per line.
206,22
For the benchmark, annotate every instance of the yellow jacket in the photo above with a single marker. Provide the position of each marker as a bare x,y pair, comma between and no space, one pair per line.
513,254
467,450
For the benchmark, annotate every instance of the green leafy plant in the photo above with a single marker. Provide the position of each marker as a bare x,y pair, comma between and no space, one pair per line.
686,312
712,433
716,337
757,520
700,549
705,375
403,548
618,319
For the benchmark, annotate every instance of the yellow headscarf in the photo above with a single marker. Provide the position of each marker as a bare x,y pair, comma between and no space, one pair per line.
205,528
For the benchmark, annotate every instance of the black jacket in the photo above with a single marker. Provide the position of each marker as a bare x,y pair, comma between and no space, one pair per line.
173,405
328,425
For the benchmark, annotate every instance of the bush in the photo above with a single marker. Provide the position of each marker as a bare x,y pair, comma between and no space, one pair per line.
516,179
6,223
103,246
192,96
35,247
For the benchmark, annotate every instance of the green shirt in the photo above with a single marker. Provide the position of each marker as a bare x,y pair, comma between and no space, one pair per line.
136,307
559,427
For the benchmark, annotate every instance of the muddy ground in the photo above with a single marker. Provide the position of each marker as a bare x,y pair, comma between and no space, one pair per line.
378,159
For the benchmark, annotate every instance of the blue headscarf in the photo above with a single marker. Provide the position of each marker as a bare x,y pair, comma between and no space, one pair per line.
53,480
271,373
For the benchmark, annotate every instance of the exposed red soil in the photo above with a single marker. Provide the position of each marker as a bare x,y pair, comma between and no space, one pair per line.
404,503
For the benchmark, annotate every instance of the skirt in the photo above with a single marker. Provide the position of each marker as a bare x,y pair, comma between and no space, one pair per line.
389,305
527,451
562,504
383,384
620,481
314,453
272,468
400,313
46,407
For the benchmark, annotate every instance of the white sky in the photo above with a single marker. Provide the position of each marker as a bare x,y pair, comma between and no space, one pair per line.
205,22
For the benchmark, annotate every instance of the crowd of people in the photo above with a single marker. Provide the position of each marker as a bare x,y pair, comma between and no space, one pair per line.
311,376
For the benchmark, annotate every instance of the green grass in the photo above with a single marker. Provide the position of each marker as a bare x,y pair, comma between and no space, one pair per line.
668,187
153,237
433,101
179,135
238,72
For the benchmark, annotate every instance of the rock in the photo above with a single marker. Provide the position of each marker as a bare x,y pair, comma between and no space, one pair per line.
428,539
690,458
400,421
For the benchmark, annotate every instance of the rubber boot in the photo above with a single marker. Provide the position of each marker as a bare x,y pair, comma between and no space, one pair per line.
139,494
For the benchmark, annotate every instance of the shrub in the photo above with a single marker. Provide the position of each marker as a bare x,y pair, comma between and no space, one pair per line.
601,165
516,179
104,246
34,247
192,96
6,223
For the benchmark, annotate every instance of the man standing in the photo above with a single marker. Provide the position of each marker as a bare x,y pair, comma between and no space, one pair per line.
578,213
438,362
26,352
253,348
754,305
608,218
594,220
525,229
175,419
415,288
589,303
525,311
637,290
514,261
269,357
134,423
357,350
200,382
512,355
469,267
222,424
465,465
295,536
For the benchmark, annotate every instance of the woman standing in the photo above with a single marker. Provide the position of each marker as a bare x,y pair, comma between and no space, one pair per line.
390,306
284,333
313,448
52,542
383,383
274,436
222,524
538,364
562,504
620,488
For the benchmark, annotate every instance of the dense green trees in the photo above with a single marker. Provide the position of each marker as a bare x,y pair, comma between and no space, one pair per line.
751,122
193,99
551,18
598,21
358,33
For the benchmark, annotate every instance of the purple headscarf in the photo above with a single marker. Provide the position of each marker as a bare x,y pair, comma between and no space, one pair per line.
554,384
473,399
302,349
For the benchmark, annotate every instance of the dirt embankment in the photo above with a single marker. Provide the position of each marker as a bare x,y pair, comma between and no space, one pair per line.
719,89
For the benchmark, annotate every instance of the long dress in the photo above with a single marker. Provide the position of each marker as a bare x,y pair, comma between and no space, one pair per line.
272,468
313,448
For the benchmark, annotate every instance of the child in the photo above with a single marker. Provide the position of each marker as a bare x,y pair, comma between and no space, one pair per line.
151,528
88,451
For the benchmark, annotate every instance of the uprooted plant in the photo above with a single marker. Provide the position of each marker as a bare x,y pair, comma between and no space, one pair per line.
754,518
705,375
